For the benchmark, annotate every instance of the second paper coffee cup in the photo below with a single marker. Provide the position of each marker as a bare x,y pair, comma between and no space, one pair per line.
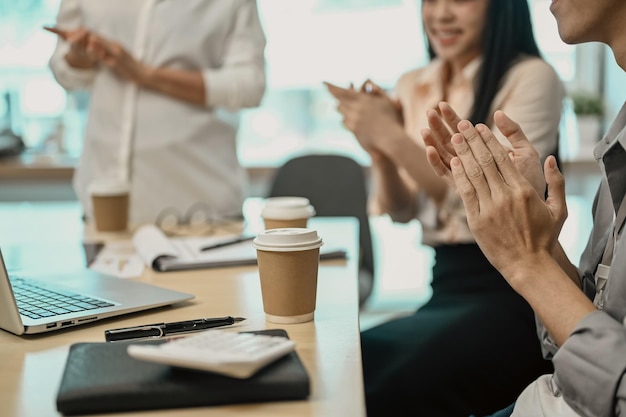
110,202
288,262
286,212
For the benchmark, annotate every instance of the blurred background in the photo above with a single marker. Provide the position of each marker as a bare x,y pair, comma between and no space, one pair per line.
308,41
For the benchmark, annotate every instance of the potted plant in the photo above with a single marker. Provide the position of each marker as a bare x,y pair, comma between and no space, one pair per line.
589,109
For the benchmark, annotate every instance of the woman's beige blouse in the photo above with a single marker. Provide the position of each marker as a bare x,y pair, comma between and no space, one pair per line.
532,95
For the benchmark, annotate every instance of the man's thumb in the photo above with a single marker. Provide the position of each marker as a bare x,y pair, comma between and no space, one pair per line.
556,187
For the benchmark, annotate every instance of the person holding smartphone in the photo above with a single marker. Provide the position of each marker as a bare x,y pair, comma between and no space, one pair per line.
166,80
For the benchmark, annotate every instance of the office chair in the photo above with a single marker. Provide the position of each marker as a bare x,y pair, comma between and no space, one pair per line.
336,186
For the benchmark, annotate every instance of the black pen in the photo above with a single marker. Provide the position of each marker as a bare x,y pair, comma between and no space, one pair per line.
227,243
159,330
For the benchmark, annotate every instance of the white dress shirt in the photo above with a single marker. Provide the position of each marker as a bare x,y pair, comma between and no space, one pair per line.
173,154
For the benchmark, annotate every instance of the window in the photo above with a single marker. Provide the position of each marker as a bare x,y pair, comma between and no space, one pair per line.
314,41
32,102
309,41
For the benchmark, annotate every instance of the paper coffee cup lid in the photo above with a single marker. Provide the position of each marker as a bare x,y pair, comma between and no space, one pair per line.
287,208
287,240
108,187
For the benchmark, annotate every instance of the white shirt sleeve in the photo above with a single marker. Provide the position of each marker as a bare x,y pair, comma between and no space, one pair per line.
69,17
240,82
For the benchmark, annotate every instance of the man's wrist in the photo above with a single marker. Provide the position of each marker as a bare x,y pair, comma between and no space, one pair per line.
523,273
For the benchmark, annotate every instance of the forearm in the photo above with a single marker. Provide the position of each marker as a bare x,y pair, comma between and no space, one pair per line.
187,86
561,258
556,299
405,153
391,192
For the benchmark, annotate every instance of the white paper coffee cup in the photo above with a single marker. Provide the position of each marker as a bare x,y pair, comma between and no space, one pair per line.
288,262
110,201
287,212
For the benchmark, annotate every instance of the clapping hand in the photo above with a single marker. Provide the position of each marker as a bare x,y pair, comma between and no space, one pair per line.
440,151
369,113
508,217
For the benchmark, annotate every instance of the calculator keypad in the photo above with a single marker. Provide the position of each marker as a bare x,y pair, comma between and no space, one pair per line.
238,355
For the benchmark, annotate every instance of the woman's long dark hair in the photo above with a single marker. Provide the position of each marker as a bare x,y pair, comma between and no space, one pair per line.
508,34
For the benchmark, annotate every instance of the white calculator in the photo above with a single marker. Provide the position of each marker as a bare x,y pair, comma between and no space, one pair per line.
239,355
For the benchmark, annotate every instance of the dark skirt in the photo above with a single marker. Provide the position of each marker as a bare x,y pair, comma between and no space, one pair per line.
471,349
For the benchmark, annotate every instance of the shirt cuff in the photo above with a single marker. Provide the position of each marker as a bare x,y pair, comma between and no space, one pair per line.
68,76
218,89
590,364
81,76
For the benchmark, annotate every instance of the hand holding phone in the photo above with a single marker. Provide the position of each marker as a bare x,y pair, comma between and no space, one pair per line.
79,55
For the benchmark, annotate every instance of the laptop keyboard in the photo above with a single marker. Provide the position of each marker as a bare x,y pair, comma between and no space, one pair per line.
36,302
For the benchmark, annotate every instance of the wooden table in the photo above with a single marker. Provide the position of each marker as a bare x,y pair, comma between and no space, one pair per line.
31,366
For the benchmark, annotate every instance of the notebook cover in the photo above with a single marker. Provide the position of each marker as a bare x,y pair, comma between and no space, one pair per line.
102,377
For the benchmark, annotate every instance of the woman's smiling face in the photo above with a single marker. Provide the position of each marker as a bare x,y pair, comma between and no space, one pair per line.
455,27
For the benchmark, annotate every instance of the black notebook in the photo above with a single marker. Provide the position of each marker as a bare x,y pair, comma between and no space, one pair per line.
101,377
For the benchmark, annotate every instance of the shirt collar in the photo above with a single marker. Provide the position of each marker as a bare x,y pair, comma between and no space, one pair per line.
615,134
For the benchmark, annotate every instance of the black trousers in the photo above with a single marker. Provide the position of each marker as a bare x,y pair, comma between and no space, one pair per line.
471,349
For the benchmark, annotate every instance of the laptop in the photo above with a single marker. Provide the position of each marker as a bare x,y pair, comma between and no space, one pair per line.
31,305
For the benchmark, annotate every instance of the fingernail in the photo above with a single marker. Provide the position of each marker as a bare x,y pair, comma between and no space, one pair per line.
457,139
464,125
552,162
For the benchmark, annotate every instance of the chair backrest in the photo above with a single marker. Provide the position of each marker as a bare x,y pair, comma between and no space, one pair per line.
335,185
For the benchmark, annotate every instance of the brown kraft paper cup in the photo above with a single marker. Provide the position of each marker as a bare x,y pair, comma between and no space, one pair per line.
280,224
289,284
287,212
110,212
288,261
110,203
